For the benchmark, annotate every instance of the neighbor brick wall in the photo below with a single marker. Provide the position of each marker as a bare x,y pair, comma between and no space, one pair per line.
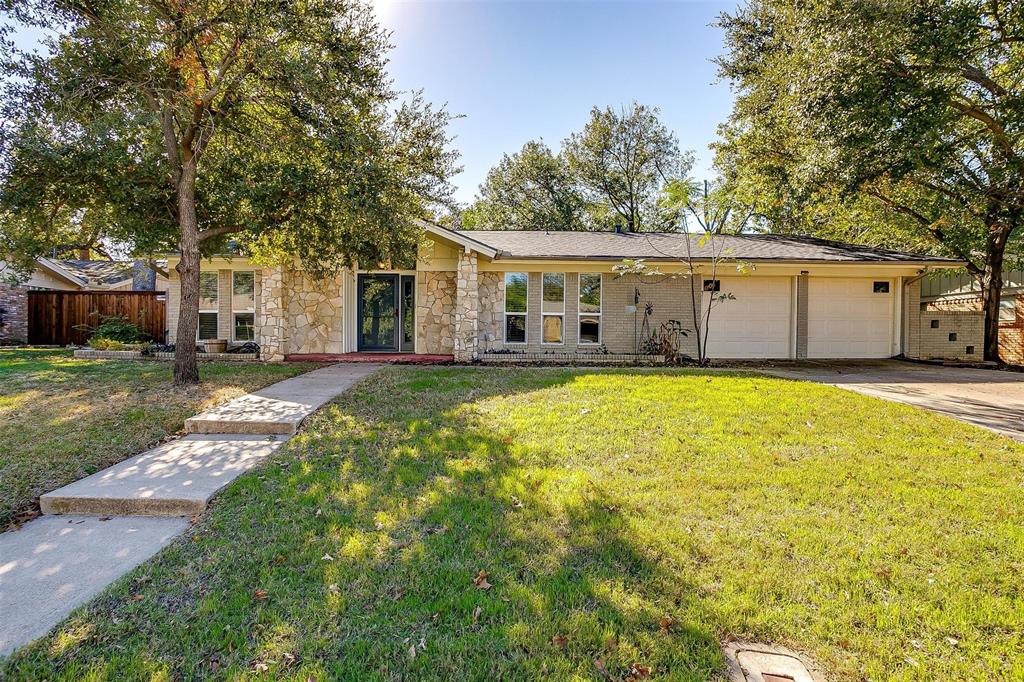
927,342
13,314
1011,332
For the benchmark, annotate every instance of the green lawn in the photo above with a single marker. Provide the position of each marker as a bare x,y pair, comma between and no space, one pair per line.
625,520
62,418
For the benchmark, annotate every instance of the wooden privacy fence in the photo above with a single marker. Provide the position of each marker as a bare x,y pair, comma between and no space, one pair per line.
54,315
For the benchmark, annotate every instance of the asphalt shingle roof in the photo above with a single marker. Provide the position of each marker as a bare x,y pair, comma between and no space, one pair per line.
99,271
672,245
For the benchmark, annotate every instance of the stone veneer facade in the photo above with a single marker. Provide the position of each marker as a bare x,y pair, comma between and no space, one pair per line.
13,314
466,317
314,313
491,288
435,310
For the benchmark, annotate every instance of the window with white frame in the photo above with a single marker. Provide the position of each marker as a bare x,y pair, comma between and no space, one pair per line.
553,307
1008,309
590,308
209,300
243,304
516,290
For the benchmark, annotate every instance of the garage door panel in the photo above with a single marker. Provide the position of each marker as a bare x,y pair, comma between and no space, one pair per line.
847,319
756,323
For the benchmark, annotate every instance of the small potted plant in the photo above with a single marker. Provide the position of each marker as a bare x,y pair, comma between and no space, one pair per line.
215,345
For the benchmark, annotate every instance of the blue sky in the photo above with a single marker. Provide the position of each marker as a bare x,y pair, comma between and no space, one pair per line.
533,69
527,69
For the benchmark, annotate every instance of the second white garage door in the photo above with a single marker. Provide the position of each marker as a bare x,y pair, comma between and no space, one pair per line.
757,323
849,317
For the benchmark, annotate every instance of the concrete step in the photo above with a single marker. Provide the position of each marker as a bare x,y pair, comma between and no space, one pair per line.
175,479
52,565
280,408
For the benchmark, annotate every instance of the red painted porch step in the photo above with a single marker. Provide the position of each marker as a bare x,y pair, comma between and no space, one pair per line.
393,358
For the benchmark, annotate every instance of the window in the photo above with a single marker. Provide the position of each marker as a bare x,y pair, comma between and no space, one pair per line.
880,287
1008,309
243,305
209,298
590,307
712,285
935,324
969,350
516,289
553,306
952,336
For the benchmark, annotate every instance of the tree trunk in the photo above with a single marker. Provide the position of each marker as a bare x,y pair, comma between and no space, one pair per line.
991,281
186,367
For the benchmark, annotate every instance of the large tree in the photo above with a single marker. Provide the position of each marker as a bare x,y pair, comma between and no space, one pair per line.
529,190
612,173
909,112
623,159
185,123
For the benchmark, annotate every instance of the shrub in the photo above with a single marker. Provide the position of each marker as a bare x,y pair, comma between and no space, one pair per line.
116,328
99,343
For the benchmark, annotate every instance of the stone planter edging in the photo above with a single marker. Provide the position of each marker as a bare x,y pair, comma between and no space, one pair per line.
572,358
90,354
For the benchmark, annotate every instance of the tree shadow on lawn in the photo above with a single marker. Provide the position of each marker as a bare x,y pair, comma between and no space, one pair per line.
353,556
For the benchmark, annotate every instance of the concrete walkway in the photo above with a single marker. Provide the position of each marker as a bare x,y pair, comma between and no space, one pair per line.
988,398
97,529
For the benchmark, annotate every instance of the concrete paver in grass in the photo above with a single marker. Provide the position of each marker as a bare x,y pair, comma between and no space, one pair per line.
55,563
280,408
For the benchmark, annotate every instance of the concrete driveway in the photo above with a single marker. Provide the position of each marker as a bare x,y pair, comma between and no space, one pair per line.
987,398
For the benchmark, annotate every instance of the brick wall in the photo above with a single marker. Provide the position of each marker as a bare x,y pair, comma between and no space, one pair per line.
942,333
13,314
1011,331
670,299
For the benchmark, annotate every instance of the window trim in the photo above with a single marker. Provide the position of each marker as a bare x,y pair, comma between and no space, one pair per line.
215,310
544,314
1012,308
505,313
580,314
245,311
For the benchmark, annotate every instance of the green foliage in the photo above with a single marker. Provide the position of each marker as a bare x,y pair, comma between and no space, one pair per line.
611,173
906,115
115,328
622,160
286,110
532,189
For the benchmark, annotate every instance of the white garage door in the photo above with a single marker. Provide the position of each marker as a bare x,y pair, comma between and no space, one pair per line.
849,317
756,324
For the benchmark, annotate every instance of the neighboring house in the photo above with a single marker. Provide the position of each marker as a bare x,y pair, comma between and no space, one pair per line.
52,274
480,292
959,291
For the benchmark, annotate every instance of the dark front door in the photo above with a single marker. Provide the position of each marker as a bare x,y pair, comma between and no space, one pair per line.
379,309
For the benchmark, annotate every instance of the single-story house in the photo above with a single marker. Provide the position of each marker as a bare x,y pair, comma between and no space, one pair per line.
478,294
58,274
